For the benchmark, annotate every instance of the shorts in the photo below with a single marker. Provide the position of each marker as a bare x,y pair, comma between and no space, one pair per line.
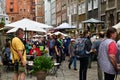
18,68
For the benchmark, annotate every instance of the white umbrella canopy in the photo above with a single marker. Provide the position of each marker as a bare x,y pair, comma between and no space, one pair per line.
64,26
56,33
117,26
37,29
36,36
92,20
27,23
73,26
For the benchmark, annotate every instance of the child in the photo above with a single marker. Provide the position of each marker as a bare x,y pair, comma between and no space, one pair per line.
72,55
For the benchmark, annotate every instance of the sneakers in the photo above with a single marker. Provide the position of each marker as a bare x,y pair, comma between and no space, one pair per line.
69,67
75,69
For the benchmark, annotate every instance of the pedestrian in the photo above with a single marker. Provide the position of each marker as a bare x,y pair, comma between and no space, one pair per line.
107,55
51,46
19,55
73,58
118,44
85,57
59,49
95,47
90,59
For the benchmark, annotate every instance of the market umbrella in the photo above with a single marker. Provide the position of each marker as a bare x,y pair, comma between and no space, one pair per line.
117,26
92,20
65,26
56,33
36,29
27,23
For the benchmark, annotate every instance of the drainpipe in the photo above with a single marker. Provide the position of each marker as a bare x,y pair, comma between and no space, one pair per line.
86,9
99,9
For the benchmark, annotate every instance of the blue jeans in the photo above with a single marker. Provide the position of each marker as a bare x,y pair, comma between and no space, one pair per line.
73,60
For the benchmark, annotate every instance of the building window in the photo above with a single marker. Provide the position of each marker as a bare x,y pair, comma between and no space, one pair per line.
11,9
33,10
12,18
11,3
90,5
80,9
20,10
118,17
95,4
68,10
71,9
103,1
83,7
75,8
64,17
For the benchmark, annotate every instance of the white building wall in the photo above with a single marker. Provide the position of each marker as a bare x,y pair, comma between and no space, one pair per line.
47,12
2,6
3,11
53,12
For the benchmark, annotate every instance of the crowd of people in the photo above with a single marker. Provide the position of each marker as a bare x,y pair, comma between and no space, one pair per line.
104,47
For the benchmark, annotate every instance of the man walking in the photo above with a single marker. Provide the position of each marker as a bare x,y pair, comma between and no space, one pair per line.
18,55
59,49
95,47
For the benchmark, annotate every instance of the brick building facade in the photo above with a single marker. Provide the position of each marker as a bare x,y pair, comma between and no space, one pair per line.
19,9
39,6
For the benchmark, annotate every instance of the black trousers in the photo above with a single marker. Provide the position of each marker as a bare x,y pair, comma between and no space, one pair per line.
58,59
52,52
109,76
83,68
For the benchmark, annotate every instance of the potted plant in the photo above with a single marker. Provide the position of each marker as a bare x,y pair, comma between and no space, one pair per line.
41,66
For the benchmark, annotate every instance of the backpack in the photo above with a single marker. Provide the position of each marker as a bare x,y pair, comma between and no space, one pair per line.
80,50
6,56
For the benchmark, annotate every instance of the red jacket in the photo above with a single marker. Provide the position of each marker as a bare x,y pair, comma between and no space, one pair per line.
36,50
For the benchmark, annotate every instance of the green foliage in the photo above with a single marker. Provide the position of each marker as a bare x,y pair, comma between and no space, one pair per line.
2,22
42,63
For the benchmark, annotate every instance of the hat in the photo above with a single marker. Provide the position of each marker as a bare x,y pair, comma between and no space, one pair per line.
72,40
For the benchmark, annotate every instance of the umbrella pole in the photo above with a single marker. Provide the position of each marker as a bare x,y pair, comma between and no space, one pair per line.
25,36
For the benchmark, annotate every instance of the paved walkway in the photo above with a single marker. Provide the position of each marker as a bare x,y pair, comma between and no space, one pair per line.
68,74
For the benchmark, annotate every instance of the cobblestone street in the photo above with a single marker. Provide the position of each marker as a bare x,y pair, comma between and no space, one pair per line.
66,75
